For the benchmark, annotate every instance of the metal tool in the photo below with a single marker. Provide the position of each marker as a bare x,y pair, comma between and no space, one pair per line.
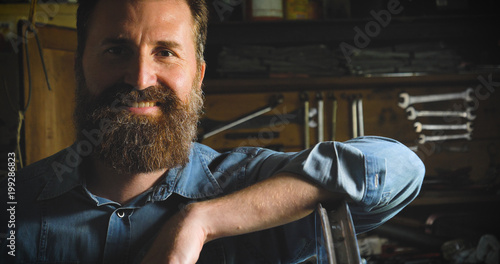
358,127
313,111
361,122
321,117
354,115
275,101
413,114
423,138
304,98
334,115
336,238
419,127
280,119
407,100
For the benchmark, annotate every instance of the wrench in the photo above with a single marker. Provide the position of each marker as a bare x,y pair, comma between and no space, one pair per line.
361,122
275,101
304,98
321,117
413,114
407,100
419,127
334,114
423,138
354,113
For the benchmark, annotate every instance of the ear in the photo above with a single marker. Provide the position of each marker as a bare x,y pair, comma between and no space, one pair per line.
202,72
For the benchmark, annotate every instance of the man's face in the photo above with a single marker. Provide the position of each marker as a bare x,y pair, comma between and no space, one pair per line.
139,84
141,43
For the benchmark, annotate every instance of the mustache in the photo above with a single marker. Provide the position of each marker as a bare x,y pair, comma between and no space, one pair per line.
122,95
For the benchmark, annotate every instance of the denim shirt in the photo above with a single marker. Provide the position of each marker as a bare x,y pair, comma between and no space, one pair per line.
57,220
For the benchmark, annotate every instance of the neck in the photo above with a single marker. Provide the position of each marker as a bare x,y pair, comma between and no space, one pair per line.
106,182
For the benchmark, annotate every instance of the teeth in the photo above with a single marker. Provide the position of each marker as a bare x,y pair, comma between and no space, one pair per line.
142,104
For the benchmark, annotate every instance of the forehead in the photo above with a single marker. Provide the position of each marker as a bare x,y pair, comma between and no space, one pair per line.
147,17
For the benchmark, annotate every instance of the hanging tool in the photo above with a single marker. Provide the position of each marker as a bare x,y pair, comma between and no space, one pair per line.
354,117
413,114
304,98
423,138
294,117
275,101
407,100
361,122
332,98
321,117
31,15
30,27
419,127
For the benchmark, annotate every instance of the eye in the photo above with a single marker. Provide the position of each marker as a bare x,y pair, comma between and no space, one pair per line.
118,51
165,53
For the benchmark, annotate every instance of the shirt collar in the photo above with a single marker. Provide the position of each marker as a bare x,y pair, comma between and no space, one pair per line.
62,173
193,181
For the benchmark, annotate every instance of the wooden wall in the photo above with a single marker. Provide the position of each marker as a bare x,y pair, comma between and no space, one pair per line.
382,117
48,122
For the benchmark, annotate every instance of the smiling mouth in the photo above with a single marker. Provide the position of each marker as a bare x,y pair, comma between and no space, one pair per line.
141,104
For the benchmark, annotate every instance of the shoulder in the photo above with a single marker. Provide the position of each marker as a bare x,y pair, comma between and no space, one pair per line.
236,156
43,168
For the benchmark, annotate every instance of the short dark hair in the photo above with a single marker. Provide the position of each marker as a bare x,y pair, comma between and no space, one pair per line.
198,8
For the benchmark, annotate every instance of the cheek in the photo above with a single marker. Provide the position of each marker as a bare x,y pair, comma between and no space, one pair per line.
97,76
180,81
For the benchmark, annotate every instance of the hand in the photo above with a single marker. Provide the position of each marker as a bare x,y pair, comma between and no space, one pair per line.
179,241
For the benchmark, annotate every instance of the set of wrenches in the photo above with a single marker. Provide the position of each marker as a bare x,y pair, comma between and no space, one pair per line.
407,101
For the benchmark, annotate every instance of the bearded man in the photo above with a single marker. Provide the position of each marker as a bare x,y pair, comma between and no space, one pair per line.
146,193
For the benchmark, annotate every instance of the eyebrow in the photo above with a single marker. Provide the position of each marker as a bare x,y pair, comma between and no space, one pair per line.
168,44
115,41
121,41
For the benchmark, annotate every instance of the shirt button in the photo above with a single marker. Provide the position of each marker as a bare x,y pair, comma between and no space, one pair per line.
120,214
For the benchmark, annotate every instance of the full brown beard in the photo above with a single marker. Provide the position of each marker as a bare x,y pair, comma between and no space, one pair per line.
131,143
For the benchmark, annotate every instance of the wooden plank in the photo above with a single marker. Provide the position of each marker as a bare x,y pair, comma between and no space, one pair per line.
59,38
63,14
216,86
48,120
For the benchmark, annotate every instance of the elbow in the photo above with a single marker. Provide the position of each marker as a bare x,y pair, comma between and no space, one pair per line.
416,169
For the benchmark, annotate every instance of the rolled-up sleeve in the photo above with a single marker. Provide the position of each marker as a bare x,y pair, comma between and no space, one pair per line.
379,176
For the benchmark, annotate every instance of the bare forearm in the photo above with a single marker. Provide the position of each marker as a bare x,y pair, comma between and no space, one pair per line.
276,201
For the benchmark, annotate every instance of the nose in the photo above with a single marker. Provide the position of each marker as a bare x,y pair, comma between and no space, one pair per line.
141,73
